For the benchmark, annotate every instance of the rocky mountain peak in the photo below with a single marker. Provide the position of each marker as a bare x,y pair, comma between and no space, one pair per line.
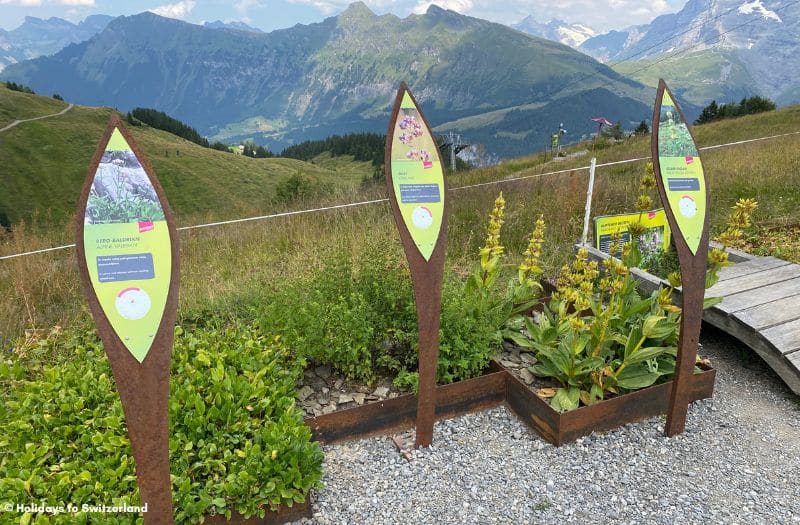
357,10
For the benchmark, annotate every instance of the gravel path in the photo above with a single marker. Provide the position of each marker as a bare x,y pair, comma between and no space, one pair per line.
737,462
17,122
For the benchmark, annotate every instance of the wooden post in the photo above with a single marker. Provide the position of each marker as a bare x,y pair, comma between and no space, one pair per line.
129,271
681,184
588,211
418,198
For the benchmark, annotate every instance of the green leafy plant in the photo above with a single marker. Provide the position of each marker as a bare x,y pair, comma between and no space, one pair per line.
474,314
522,293
104,209
679,141
299,187
598,337
356,313
739,221
237,441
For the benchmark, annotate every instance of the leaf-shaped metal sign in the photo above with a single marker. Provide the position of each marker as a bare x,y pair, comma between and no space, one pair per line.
128,260
682,186
416,173
417,193
681,170
127,245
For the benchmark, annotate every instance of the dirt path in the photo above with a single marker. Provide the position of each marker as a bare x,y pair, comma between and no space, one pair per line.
69,107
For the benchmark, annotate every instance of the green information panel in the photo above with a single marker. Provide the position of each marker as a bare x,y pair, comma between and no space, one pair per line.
127,246
656,236
417,177
681,172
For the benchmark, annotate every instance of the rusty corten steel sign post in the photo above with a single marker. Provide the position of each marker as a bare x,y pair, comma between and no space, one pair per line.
128,260
418,197
681,184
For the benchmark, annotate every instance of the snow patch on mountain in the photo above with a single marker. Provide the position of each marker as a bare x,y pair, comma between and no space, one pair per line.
756,6
575,35
572,35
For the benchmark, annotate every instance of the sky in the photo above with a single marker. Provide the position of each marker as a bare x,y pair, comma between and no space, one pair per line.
276,14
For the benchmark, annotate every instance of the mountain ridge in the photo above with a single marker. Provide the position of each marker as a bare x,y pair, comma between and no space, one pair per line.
36,36
335,76
707,39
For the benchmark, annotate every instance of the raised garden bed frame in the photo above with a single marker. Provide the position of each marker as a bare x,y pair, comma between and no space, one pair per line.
498,386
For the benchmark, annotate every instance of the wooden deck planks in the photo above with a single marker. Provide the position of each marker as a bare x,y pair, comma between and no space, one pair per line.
761,308
785,337
771,314
754,280
794,360
750,267
759,296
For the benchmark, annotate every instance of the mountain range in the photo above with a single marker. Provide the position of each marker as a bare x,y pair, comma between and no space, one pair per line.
572,35
496,85
36,37
238,26
491,83
721,49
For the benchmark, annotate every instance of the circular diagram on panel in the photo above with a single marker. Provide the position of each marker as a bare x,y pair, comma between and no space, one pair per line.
422,217
687,206
133,303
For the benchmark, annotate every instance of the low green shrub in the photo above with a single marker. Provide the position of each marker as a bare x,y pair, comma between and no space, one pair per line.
237,440
299,187
352,313
356,313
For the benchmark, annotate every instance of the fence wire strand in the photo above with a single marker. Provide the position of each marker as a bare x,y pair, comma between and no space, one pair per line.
377,201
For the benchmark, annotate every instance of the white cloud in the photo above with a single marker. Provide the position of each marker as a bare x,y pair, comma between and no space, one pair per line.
401,8
322,6
24,3
39,3
243,6
179,10
601,16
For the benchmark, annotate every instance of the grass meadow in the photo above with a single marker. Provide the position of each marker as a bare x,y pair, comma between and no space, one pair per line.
225,266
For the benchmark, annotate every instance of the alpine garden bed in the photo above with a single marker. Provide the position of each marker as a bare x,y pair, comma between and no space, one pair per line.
597,354
559,428
238,445
596,342
501,385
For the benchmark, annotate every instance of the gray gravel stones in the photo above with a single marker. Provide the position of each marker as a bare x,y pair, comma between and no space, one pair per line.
738,462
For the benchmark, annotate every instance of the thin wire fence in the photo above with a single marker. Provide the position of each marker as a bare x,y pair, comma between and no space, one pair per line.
377,201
